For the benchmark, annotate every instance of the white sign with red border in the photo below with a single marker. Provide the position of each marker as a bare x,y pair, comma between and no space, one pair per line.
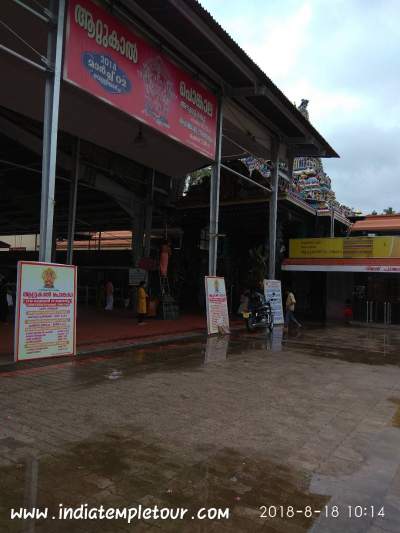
217,305
45,324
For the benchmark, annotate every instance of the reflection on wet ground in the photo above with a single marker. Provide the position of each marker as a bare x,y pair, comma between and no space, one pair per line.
305,423
359,345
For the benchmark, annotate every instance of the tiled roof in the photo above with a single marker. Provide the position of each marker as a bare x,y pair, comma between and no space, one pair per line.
377,223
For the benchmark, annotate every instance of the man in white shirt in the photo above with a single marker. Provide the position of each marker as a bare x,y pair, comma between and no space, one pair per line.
109,290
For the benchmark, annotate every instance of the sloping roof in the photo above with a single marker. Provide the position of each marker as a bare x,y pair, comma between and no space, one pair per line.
191,31
223,34
377,223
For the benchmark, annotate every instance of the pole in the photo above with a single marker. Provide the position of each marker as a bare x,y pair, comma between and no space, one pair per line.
332,222
50,130
73,194
214,199
137,237
273,210
149,215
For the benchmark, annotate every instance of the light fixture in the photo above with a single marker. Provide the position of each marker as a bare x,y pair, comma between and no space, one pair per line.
139,140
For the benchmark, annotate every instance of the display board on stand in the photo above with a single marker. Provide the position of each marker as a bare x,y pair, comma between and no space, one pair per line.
136,276
273,295
45,321
217,305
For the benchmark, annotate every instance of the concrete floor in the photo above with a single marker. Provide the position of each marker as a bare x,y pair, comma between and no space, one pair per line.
299,423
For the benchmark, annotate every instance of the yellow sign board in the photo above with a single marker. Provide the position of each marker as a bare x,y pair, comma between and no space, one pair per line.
345,247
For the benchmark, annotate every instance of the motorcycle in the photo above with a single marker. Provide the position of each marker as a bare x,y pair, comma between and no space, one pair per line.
259,315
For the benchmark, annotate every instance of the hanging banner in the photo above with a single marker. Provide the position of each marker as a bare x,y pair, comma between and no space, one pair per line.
45,324
217,305
110,61
273,295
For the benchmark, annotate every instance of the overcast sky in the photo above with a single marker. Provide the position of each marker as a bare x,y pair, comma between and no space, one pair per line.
343,56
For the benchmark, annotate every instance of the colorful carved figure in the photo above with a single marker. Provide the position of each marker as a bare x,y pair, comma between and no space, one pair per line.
308,181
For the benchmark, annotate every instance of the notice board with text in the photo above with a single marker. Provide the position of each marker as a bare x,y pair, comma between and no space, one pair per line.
217,305
45,324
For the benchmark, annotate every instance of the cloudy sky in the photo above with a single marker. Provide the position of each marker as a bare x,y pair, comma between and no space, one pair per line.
343,56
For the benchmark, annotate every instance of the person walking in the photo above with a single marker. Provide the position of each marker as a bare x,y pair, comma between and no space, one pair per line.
290,306
109,290
141,303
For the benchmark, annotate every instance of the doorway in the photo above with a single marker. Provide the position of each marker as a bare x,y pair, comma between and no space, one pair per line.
377,298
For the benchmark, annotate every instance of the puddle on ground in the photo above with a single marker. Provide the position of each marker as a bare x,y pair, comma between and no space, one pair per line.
120,469
353,345
191,355
345,353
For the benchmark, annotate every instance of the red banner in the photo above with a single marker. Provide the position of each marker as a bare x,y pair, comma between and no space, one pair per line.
108,60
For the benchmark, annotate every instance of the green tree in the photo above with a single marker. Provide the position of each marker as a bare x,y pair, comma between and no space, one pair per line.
389,211
374,212
258,265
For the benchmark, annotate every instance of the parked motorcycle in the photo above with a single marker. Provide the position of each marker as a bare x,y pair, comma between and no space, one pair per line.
259,314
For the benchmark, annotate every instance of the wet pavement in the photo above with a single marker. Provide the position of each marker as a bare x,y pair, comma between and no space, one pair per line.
291,432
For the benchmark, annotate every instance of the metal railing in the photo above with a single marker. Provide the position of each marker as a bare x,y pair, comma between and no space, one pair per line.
378,312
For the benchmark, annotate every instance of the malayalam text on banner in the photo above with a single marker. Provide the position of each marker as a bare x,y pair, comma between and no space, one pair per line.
345,247
217,305
46,311
110,61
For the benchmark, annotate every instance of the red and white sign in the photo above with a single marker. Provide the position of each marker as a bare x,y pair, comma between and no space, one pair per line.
46,310
108,60
217,305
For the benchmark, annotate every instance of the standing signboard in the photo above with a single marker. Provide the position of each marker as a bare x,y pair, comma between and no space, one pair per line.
217,305
110,61
273,295
45,323
136,276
